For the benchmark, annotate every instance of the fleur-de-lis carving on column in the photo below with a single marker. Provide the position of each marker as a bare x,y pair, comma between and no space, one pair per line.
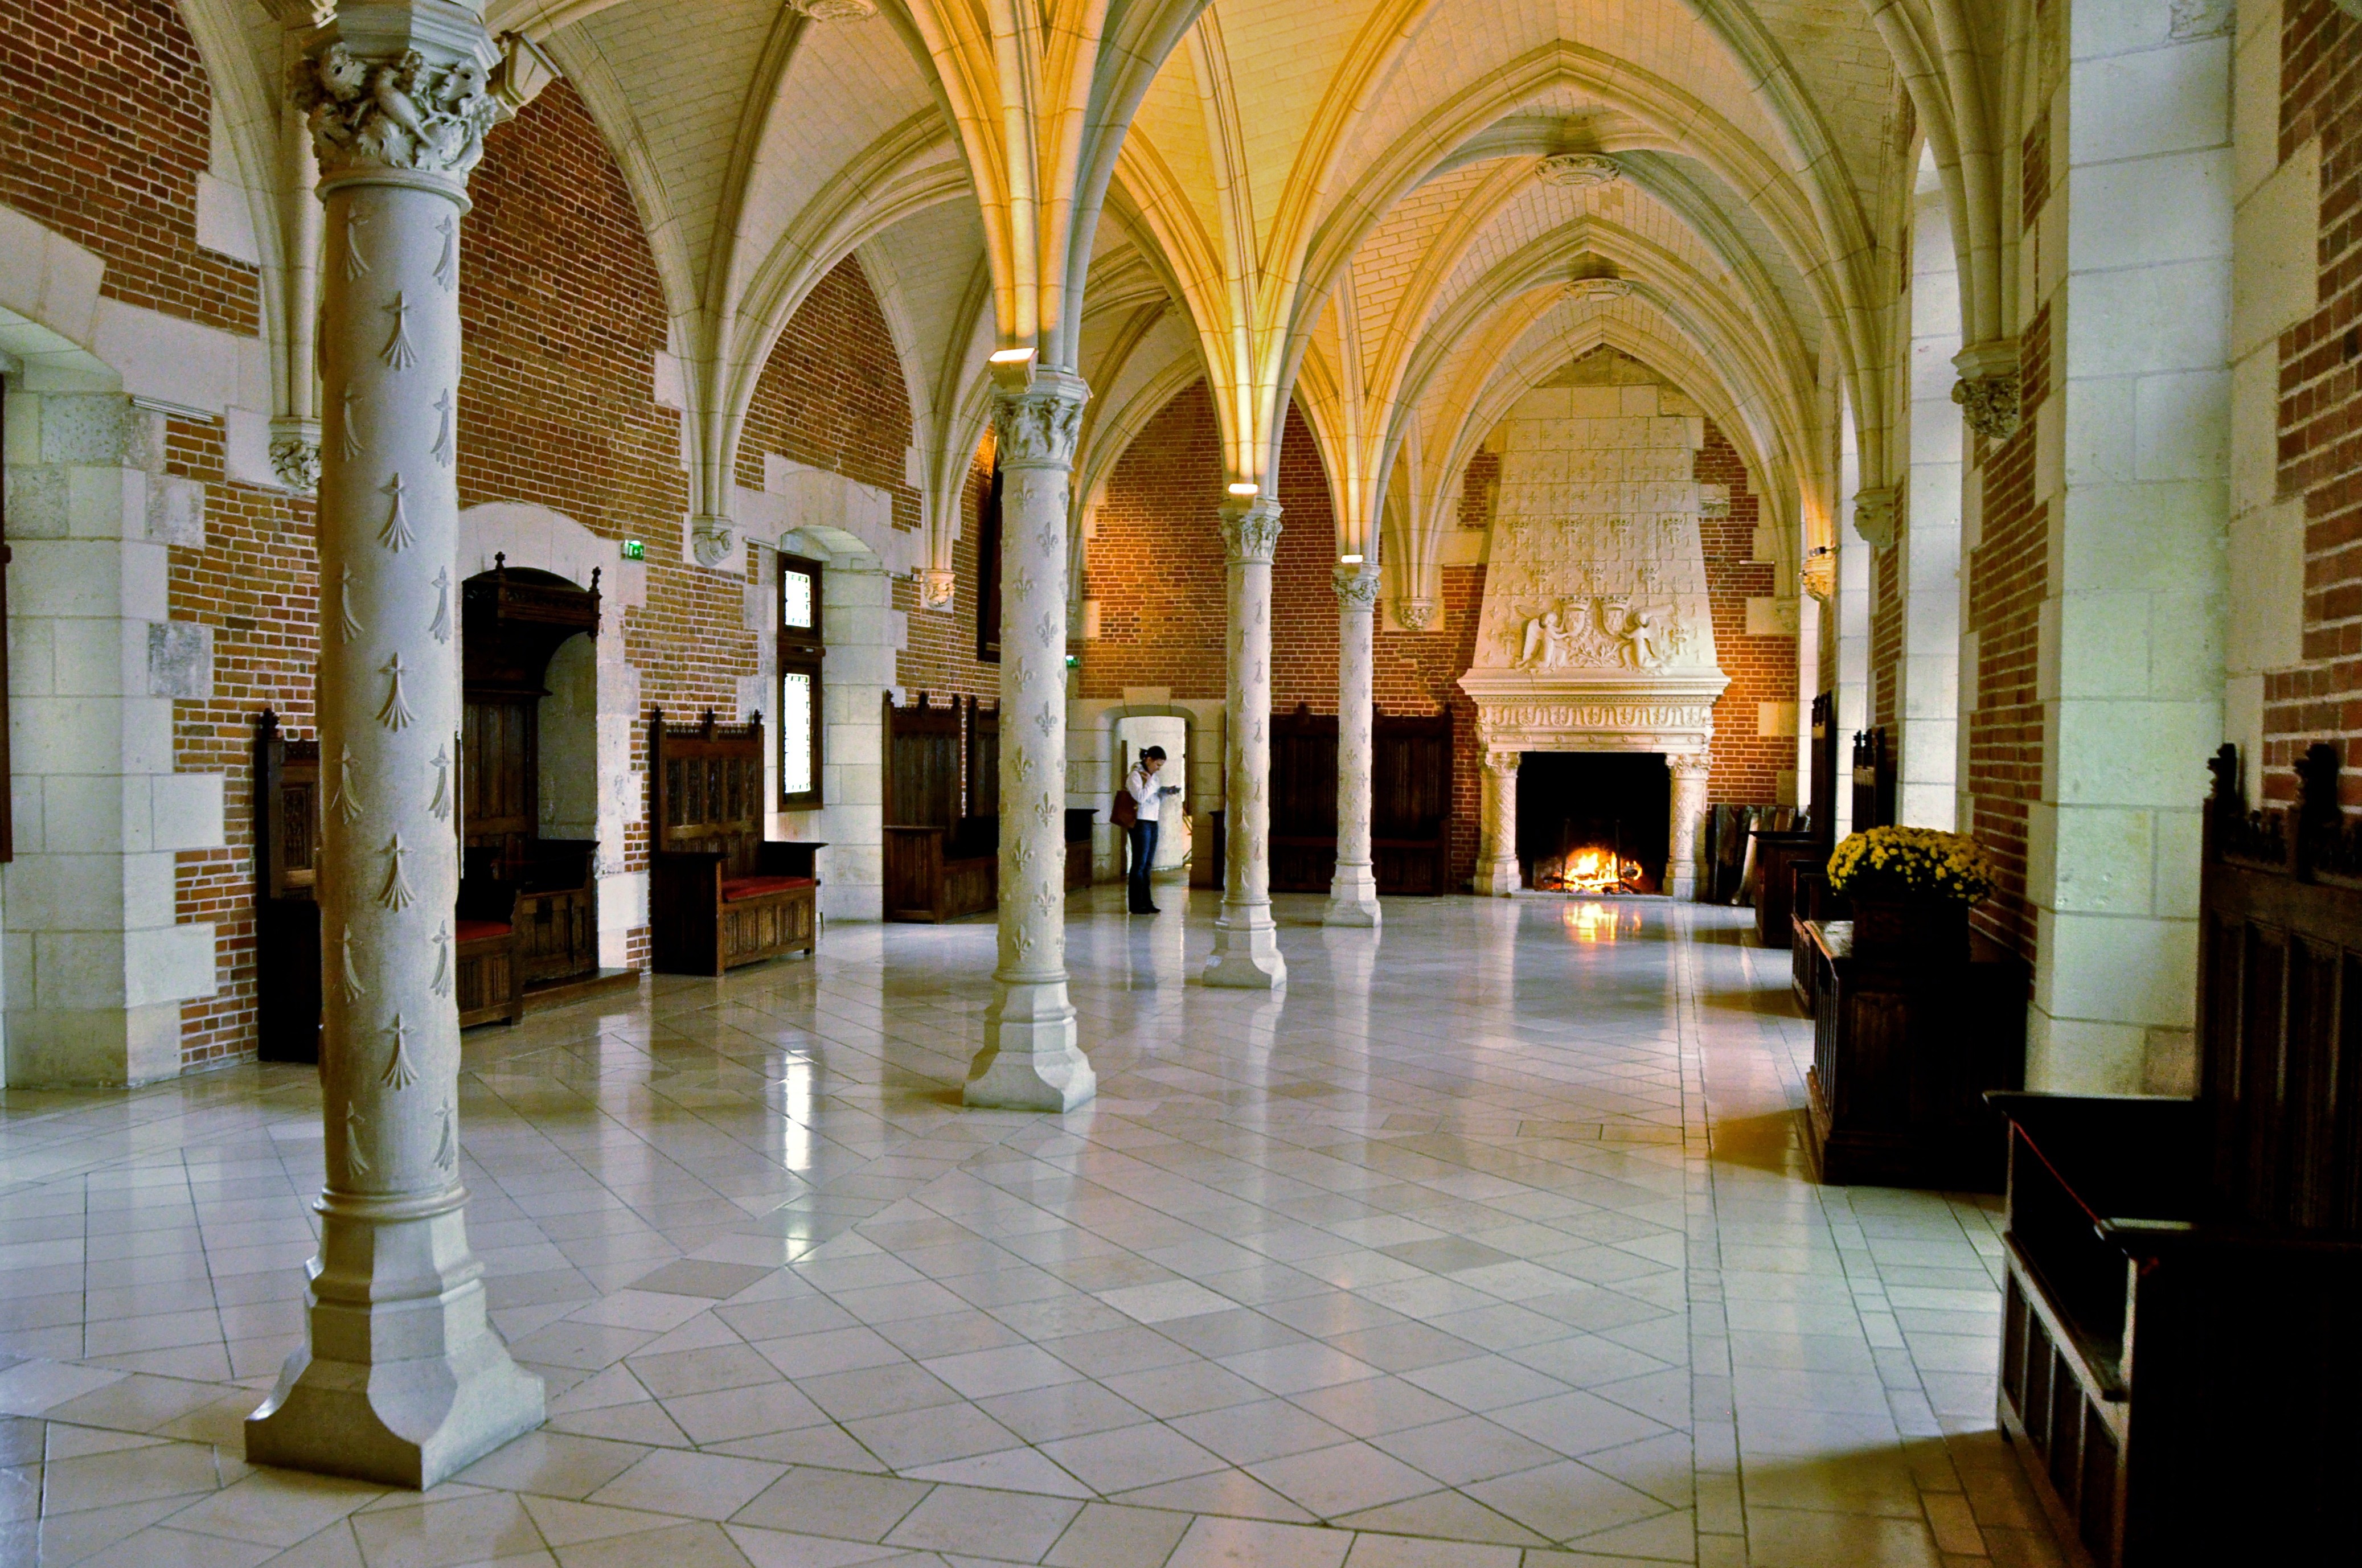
396,535
441,629
401,1379
400,1072
344,799
398,351
395,713
396,893
355,264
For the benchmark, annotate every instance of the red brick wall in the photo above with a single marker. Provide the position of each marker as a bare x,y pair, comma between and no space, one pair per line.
1157,560
2008,579
256,585
1747,763
2321,405
105,130
1420,673
832,393
939,650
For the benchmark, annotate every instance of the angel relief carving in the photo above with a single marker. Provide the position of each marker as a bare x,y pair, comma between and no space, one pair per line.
1602,633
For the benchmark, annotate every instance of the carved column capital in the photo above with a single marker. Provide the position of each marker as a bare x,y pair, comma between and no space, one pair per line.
1502,761
1874,515
1039,427
1357,588
1988,388
1250,530
1692,765
405,87
295,454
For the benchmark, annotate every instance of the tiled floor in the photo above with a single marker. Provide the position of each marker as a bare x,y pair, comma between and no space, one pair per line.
1483,1245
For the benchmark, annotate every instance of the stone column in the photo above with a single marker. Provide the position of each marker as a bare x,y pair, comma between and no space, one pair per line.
1689,810
403,1380
1353,892
1030,1061
1246,943
1496,856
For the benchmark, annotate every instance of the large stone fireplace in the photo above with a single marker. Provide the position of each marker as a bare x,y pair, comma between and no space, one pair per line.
1596,634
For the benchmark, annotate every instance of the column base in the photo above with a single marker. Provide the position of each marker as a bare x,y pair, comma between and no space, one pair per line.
1246,950
1029,1060
1353,898
1685,886
1499,880
405,1382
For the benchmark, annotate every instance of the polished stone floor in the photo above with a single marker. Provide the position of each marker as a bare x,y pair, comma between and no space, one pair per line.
1483,1245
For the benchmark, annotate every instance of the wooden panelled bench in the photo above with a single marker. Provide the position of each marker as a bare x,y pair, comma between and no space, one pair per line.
2179,1355
1411,802
488,979
719,895
943,842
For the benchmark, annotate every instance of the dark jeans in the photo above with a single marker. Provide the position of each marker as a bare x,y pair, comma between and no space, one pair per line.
1143,856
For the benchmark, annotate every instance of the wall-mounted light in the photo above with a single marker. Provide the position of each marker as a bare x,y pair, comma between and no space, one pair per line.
1246,487
1348,560
1012,368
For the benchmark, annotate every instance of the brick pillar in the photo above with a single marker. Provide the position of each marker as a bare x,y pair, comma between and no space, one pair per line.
96,967
403,1379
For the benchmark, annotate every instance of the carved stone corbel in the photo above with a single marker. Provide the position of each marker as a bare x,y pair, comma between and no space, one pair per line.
1874,516
1416,615
710,539
935,588
1820,574
295,454
1988,388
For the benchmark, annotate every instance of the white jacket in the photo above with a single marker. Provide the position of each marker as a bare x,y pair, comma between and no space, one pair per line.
1146,793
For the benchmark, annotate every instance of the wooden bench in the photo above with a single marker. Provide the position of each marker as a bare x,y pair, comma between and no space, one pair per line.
1410,803
942,842
488,977
721,895
2179,1359
489,972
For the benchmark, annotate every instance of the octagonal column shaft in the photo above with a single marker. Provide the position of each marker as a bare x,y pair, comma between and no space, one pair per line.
1246,943
1029,1060
1353,890
1497,857
403,1379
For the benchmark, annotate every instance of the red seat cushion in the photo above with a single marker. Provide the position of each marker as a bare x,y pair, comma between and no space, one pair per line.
477,930
736,888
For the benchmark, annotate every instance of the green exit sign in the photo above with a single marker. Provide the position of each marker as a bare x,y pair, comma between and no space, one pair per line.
634,550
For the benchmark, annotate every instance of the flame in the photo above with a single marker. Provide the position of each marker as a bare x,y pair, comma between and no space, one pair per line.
1592,871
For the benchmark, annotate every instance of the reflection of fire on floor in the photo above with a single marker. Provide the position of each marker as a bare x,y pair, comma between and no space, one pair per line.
1592,871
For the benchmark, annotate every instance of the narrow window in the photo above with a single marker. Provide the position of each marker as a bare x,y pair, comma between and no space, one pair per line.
800,651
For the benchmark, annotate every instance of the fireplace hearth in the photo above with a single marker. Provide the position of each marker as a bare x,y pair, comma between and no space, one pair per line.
1594,822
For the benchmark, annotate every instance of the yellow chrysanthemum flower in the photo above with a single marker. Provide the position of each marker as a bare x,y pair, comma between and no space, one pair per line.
1900,861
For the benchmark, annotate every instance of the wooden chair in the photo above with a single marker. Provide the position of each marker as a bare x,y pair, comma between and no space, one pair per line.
719,895
941,862
489,969
2178,1357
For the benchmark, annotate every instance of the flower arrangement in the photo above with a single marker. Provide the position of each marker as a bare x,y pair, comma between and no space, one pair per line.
1903,862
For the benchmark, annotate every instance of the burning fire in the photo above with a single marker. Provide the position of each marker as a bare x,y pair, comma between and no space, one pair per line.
1591,870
